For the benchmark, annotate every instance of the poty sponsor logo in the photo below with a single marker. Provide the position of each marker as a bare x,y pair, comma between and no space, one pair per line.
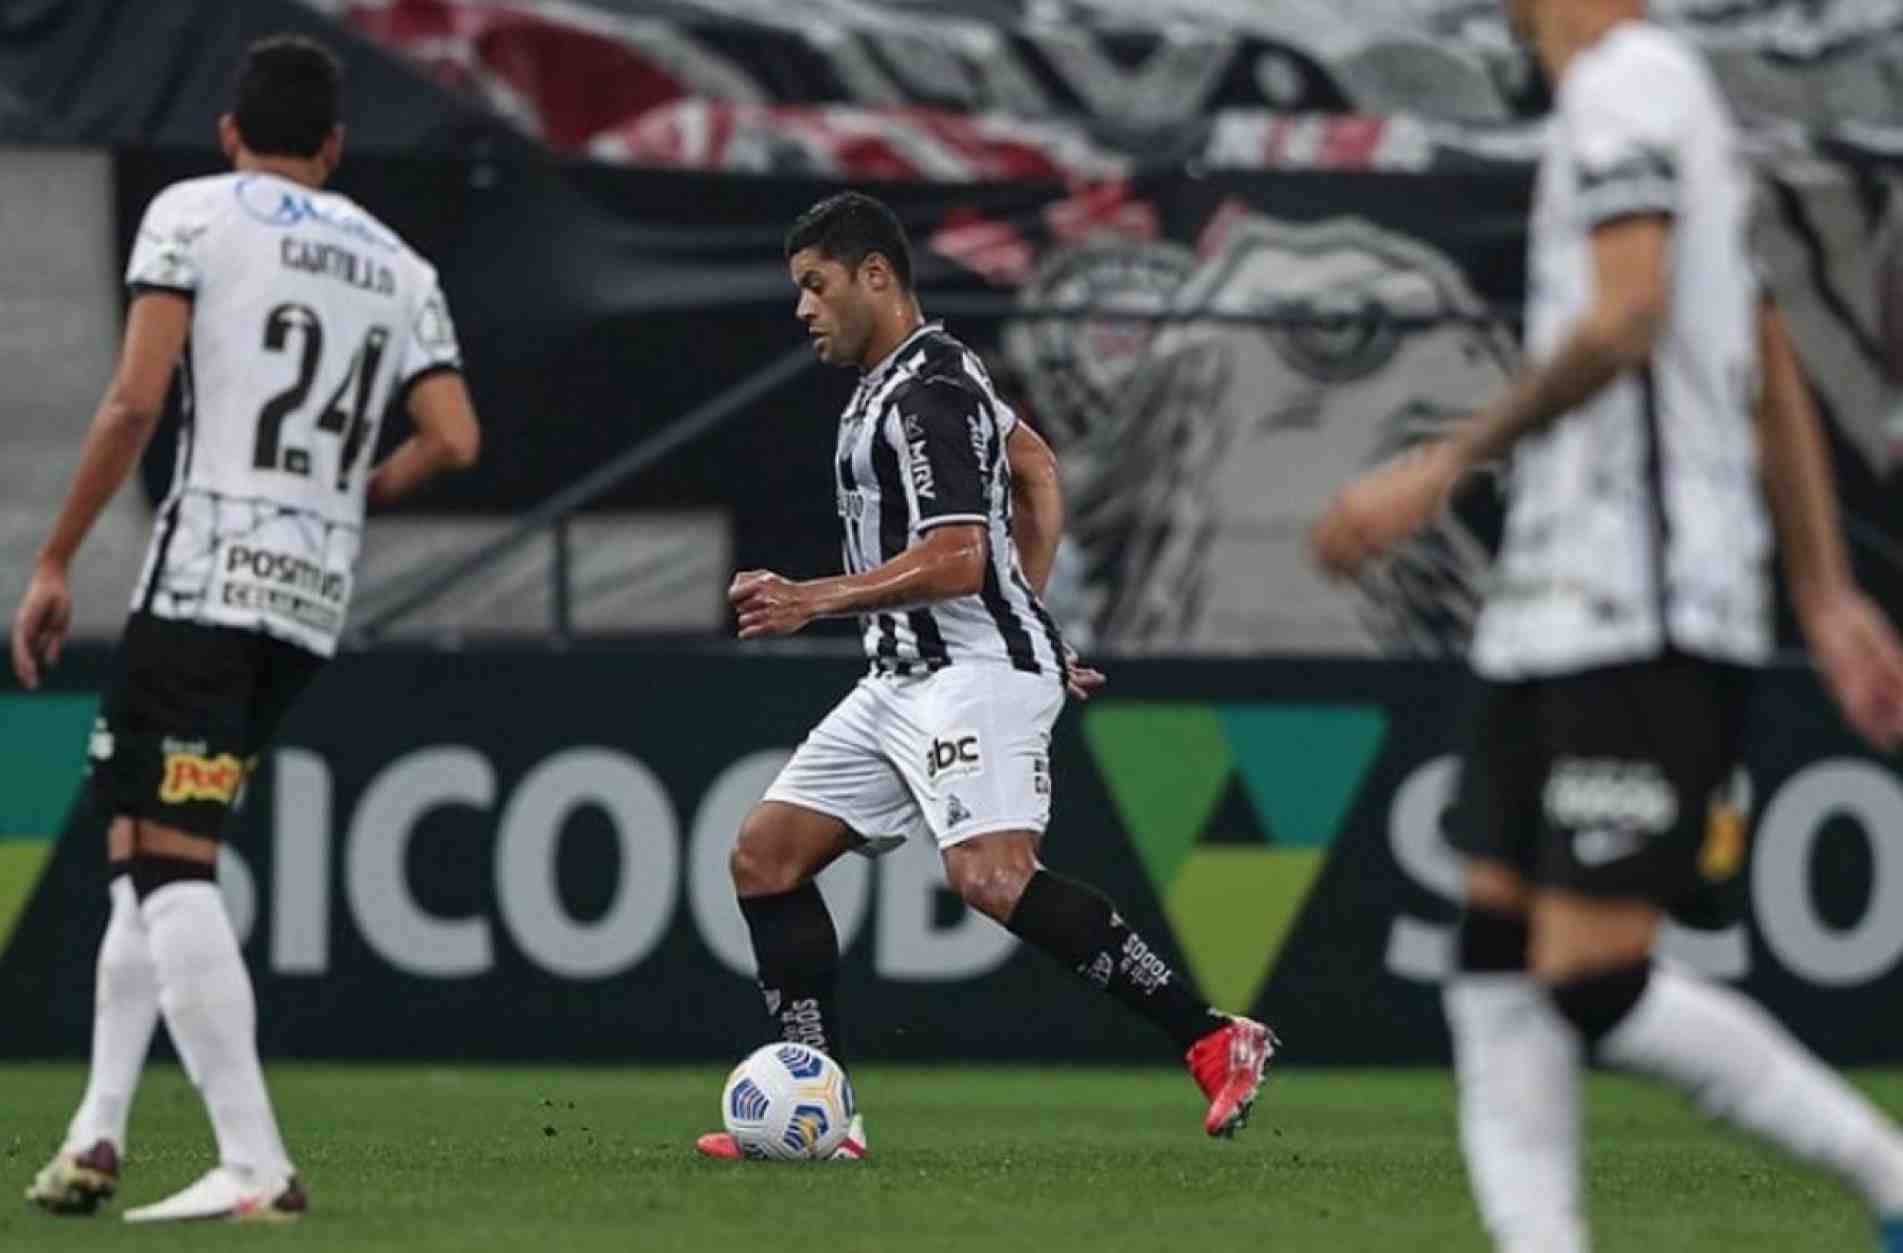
1586,792
192,777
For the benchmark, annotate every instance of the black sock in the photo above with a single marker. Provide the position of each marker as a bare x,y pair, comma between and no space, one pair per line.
150,872
1491,943
798,954
1079,927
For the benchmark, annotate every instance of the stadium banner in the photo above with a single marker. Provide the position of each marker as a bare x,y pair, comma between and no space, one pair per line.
501,855
1354,311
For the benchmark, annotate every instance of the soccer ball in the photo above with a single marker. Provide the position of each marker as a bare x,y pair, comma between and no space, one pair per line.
787,1102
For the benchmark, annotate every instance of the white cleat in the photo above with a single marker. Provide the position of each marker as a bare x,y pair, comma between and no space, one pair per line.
76,1183
855,1146
226,1194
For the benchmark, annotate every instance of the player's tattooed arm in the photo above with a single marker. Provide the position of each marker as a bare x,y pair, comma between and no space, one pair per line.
1378,510
1037,503
156,326
947,562
447,438
1855,647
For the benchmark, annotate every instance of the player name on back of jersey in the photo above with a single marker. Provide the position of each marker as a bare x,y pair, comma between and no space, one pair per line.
339,263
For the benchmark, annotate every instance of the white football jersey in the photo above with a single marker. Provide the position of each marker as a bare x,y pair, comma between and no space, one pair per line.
1637,522
309,317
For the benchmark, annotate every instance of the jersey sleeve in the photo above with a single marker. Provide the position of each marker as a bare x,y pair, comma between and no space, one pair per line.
1626,113
944,449
429,347
168,252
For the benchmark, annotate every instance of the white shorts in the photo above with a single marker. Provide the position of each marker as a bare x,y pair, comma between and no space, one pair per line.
962,752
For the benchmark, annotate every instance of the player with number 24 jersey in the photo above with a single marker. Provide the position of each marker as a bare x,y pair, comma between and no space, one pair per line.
309,315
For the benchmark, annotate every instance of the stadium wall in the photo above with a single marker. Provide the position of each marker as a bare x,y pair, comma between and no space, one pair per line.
520,854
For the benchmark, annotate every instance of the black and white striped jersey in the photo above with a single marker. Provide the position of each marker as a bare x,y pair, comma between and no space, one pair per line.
921,445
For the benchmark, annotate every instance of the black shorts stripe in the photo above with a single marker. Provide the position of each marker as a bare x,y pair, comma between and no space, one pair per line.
136,290
848,484
187,437
1017,640
1655,489
895,536
1049,624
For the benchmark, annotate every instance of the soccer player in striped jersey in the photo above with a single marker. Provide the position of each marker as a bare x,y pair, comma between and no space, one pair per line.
1631,602
294,319
952,514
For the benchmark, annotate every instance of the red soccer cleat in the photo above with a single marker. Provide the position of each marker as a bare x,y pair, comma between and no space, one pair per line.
718,1145
1227,1065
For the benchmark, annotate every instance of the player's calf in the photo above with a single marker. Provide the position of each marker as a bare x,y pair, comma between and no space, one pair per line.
795,947
999,875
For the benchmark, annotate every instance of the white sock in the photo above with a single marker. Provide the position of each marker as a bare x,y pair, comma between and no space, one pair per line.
1517,1061
1742,1067
205,993
125,1012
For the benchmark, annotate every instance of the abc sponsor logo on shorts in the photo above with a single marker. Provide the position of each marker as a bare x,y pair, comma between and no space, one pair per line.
1784,913
190,775
341,861
954,756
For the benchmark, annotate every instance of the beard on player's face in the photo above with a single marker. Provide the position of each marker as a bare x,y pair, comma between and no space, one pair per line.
850,321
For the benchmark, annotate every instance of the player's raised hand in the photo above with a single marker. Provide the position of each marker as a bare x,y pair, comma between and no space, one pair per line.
768,604
1381,508
1860,660
1083,679
39,628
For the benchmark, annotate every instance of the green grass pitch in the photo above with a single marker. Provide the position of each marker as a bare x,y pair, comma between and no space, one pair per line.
559,1160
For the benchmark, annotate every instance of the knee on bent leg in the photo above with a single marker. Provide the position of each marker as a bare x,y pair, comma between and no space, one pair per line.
761,862
990,873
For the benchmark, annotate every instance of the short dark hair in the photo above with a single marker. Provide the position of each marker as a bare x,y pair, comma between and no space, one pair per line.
287,96
850,227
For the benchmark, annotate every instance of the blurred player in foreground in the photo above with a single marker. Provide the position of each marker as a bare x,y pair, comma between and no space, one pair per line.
1632,601
952,515
296,318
